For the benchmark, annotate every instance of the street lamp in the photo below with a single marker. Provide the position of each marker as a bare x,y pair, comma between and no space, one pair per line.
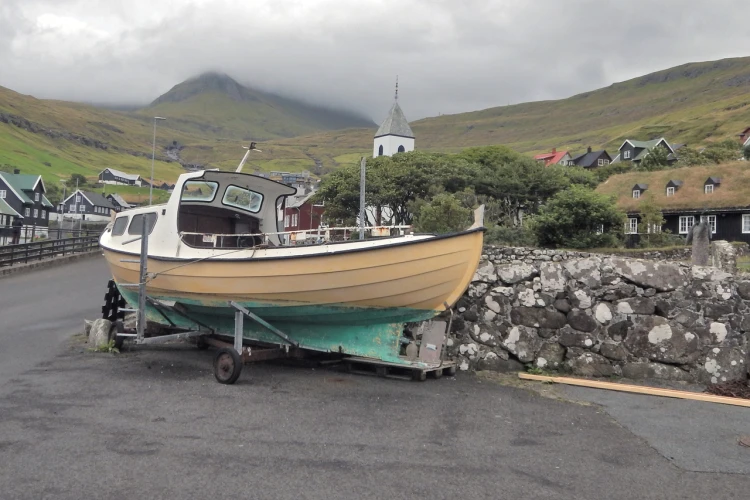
153,156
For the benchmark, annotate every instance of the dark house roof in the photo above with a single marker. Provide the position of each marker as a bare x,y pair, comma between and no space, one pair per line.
590,158
713,180
640,187
674,183
116,198
94,198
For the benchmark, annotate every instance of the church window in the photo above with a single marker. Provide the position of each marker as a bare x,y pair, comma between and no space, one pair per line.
380,150
401,149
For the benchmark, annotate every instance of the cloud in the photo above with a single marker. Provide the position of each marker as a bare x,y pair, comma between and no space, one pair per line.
450,56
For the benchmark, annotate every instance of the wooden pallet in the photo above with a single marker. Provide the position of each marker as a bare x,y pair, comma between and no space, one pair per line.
415,371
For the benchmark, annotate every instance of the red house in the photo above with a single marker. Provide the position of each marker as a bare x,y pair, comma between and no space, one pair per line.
302,214
555,158
745,137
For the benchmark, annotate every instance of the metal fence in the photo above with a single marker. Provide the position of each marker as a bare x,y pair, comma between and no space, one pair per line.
43,249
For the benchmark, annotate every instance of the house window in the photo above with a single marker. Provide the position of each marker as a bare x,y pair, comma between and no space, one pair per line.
83,208
632,226
294,220
636,194
600,162
711,221
626,155
78,197
27,212
686,222
3,194
670,191
286,221
606,162
36,196
708,188
654,228
746,223
72,207
36,213
44,214
600,229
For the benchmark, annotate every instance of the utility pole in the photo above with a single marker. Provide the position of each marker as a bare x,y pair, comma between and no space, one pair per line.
153,157
362,169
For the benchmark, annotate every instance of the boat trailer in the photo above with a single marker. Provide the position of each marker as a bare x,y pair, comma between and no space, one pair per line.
230,357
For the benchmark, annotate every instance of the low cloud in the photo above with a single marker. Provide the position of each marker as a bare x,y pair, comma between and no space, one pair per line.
450,56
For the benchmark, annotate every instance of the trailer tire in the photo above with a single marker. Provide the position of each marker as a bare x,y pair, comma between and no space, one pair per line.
227,365
419,375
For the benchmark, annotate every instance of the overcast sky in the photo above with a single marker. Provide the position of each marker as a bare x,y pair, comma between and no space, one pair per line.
450,55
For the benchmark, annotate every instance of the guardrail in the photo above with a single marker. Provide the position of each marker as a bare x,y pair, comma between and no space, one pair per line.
38,250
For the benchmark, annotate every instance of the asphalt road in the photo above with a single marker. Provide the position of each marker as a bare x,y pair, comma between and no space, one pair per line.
42,308
152,423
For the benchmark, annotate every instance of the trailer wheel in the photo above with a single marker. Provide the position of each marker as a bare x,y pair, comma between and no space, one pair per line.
437,373
227,365
119,328
419,375
451,370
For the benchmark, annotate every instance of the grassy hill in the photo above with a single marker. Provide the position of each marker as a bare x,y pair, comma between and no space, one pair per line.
212,116
693,103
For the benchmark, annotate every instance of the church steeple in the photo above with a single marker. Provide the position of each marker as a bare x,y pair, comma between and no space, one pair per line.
395,134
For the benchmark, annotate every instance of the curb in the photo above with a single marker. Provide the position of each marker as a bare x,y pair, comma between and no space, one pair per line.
42,264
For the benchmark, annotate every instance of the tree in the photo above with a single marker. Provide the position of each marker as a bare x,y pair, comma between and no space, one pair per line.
80,178
690,157
656,159
443,214
578,218
651,217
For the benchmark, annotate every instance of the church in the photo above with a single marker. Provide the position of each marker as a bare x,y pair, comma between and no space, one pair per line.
394,135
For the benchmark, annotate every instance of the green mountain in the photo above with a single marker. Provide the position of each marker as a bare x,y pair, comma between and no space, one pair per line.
694,103
212,116
216,105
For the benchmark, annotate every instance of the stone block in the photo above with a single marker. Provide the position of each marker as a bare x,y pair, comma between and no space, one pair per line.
523,343
658,339
582,321
552,277
573,339
722,364
550,356
661,276
591,365
513,274
99,334
613,351
642,371
585,271
534,317
562,305
636,305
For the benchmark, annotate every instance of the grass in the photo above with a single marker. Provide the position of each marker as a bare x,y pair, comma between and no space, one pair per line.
629,250
733,192
108,348
743,263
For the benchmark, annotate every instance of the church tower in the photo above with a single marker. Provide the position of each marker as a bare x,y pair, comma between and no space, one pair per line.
394,135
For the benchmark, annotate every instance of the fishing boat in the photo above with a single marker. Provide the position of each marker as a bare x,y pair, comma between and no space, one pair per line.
216,246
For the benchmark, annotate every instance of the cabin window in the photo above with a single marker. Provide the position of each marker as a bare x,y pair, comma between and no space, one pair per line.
632,226
401,149
711,221
380,150
136,226
120,224
199,191
626,154
243,198
708,188
636,194
686,222
670,191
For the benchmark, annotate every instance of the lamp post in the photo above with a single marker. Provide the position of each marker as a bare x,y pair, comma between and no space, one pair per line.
153,157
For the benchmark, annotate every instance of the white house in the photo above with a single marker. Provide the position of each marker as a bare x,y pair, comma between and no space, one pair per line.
394,135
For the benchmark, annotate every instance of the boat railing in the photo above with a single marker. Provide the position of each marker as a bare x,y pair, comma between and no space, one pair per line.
290,238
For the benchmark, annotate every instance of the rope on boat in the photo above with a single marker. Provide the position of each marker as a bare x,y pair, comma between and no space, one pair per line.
151,276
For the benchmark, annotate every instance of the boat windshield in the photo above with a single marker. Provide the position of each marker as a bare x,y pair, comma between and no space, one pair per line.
243,198
200,191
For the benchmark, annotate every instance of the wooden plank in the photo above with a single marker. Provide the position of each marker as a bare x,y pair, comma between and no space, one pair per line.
637,389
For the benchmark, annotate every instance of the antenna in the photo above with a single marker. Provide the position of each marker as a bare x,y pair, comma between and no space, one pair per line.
249,148
396,96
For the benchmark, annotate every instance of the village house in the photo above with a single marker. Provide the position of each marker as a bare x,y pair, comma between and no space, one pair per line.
555,157
87,205
685,196
8,217
118,202
745,137
112,176
302,214
636,151
592,159
25,198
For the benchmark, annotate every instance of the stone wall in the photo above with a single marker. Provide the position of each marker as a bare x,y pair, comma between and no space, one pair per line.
518,255
603,316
